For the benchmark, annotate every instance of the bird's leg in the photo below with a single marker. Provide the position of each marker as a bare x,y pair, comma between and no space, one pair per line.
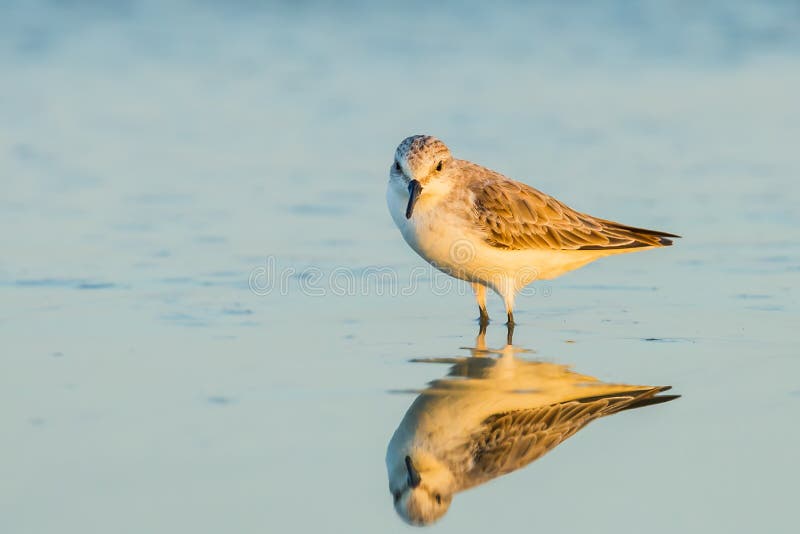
510,332
509,301
480,296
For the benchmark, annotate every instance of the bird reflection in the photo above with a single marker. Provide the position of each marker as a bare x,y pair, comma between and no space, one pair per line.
493,414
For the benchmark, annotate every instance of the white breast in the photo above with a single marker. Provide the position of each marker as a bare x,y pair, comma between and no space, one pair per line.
431,231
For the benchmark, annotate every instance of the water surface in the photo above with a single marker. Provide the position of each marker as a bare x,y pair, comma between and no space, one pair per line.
198,329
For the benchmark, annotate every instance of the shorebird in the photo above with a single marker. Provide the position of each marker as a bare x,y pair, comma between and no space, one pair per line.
490,417
477,225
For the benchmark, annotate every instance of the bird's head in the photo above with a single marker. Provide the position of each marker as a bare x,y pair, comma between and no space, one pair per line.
420,162
423,493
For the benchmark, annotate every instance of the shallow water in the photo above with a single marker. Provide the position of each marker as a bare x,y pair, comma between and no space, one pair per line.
205,308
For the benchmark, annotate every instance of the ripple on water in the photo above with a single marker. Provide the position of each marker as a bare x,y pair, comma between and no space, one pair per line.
220,400
184,319
669,340
237,311
74,283
752,296
96,285
48,282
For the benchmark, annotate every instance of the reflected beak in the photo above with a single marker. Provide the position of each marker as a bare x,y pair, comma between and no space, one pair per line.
414,189
413,475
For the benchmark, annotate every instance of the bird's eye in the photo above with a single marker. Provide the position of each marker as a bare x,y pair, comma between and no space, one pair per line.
397,166
439,166
438,499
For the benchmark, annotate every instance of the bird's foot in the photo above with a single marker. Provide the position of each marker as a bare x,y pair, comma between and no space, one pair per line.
510,319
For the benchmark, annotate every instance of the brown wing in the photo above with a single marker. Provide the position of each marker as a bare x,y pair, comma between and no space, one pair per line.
515,216
508,441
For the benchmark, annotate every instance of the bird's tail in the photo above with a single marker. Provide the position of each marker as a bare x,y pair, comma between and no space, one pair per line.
636,237
635,398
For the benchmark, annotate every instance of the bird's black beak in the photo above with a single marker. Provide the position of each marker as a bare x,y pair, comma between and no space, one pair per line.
414,189
413,475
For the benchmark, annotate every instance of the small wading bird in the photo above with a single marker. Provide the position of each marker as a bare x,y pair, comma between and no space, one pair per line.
490,417
477,225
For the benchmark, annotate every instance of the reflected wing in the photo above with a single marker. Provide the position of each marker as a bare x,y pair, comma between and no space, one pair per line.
515,216
509,441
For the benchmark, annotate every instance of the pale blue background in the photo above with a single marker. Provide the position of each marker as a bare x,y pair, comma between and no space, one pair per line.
153,155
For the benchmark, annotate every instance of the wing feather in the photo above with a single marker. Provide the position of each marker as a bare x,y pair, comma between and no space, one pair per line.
515,216
508,441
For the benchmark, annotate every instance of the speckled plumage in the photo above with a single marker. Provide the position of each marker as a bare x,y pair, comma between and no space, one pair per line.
516,216
508,441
